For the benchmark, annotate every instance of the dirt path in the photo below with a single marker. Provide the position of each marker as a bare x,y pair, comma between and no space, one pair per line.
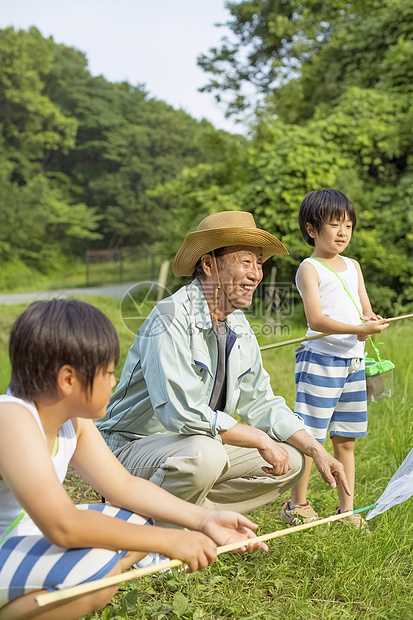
114,290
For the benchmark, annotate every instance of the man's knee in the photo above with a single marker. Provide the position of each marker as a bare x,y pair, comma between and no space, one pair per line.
297,462
202,461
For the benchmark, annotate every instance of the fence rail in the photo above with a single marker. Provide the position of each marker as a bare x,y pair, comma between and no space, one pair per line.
121,265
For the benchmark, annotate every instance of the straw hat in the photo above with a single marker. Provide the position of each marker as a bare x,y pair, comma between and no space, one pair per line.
221,230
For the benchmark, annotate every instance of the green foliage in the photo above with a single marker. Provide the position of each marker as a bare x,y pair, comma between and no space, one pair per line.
295,55
336,111
78,154
126,144
37,219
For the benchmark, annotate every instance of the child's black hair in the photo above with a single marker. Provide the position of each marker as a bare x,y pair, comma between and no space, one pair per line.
322,206
50,334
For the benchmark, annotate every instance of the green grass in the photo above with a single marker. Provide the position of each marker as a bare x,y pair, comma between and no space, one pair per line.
329,572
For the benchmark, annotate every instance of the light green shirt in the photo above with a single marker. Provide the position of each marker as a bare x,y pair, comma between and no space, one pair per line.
169,376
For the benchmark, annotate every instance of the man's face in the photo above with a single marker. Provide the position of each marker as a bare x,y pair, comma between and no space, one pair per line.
240,272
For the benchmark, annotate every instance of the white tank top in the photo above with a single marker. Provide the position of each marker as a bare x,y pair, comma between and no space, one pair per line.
336,304
10,508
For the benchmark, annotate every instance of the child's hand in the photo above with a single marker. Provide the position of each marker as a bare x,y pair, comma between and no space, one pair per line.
371,326
226,527
194,548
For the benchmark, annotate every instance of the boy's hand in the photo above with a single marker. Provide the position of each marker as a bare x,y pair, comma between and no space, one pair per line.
226,527
193,548
331,470
371,326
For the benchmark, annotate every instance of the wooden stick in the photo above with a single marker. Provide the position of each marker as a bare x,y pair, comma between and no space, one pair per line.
85,588
294,341
399,318
321,335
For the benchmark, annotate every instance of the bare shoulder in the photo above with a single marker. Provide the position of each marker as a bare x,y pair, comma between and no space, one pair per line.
307,267
8,408
307,273
356,265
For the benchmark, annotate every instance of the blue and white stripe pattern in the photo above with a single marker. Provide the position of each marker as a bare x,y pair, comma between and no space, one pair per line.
29,563
331,394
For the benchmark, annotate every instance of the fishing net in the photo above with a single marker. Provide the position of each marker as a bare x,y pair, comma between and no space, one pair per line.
398,490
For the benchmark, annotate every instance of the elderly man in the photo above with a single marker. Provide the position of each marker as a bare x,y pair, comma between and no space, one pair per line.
194,362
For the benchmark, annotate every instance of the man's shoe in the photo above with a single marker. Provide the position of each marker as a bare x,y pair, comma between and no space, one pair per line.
301,513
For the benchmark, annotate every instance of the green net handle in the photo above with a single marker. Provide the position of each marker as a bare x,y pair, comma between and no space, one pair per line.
360,312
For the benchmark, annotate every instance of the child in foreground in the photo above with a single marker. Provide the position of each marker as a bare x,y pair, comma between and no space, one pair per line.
330,371
63,355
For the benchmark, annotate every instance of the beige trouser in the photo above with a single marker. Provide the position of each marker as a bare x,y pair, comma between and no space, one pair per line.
201,470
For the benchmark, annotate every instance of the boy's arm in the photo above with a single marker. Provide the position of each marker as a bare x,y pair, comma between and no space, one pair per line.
108,476
27,470
368,314
308,284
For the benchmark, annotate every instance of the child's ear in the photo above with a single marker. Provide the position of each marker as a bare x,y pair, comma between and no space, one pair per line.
66,378
310,230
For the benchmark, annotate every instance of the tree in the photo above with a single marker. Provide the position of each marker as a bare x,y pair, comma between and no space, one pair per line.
37,219
295,55
80,153
127,143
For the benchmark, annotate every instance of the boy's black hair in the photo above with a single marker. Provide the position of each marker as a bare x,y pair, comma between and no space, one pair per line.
52,333
322,206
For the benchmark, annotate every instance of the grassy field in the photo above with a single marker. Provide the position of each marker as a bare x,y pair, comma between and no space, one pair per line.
329,572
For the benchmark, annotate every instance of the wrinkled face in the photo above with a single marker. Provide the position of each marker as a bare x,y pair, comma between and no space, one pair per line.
240,272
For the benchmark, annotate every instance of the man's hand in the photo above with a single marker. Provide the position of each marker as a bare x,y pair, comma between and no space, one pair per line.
226,527
331,470
277,456
249,437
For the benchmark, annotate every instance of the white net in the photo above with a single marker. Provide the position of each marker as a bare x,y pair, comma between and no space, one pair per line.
398,490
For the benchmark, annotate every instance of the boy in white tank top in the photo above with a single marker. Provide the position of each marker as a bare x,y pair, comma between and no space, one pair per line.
63,355
329,372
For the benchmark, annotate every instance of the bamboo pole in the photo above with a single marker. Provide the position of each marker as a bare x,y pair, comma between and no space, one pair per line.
60,595
284,343
399,318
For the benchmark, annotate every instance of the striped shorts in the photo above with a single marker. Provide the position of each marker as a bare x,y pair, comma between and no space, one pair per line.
29,563
330,393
